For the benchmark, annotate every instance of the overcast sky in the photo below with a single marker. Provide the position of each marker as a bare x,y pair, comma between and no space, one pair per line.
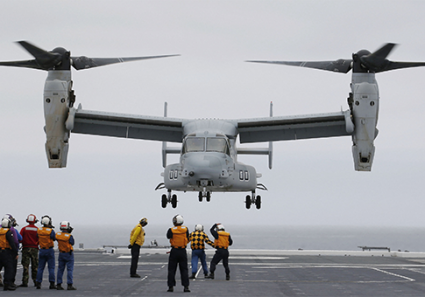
313,182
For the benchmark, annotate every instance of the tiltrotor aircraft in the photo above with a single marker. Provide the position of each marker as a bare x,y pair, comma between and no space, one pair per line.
208,155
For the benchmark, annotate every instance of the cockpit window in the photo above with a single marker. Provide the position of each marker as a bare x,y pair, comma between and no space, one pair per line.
215,144
194,144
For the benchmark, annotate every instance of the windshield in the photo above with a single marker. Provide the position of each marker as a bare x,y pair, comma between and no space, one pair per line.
194,144
217,145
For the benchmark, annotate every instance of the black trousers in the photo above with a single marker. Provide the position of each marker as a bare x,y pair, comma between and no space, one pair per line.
135,253
220,254
7,260
178,256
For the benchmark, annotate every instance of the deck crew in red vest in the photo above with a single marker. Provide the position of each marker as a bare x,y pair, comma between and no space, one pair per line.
29,250
179,238
222,242
8,254
66,255
46,236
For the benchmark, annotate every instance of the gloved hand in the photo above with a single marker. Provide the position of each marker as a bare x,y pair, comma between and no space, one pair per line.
130,246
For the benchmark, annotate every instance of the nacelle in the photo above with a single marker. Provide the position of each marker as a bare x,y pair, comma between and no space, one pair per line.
364,106
58,98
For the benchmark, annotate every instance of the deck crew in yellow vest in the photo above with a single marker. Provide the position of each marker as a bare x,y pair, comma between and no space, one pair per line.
8,254
222,242
66,255
179,238
46,236
137,238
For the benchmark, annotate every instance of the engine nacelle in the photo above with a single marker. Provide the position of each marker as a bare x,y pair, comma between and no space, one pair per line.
365,107
57,101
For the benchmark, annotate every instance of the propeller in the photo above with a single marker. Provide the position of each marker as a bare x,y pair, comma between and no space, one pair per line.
362,61
61,59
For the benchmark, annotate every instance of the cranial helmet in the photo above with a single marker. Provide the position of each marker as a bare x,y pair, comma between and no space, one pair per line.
65,225
32,219
46,221
220,227
6,223
143,222
199,227
177,220
12,220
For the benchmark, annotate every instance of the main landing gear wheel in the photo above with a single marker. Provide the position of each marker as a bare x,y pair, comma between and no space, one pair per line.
164,201
174,201
253,200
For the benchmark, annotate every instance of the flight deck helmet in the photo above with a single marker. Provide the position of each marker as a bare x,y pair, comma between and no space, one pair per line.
199,227
46,221
6,223
32,219
220,227
178,220
12,220
143,222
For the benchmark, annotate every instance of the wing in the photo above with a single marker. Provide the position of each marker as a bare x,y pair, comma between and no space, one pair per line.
127,126
295,127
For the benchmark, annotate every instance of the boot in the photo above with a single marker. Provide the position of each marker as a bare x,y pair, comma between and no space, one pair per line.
186,290
71,287
38,285
193,276
9,287
52,286
211,276
227,276
59,287
170,289
23,285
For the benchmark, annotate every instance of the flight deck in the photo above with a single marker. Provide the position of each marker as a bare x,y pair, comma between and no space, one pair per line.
253,273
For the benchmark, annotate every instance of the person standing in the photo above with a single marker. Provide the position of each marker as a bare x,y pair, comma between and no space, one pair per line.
137,238
179,238
17,238
46,236
222,242
8,254
198,239
66,255
29,250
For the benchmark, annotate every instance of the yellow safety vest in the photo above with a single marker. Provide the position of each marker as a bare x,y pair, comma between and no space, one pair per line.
223,240
44,239
63,242
137,236
4,244
179,239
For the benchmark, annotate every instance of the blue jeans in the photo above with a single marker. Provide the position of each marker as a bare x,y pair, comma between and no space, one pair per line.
46,256
201,255
65,259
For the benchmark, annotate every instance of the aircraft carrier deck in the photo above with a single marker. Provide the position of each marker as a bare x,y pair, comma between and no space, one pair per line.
253,273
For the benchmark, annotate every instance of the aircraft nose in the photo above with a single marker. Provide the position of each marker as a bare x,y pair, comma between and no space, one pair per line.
203,166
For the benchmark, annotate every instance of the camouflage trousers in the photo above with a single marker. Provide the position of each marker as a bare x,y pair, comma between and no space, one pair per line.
29,255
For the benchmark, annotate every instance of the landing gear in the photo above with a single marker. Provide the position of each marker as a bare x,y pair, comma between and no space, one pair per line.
253,200
169,199
205,194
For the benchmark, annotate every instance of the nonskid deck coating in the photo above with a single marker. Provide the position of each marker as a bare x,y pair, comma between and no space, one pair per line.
253,273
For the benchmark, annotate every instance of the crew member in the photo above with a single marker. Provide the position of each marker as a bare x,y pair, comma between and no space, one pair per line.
29,250
198,239
66,256
8,254
17,238
46,236
179,238
137,238
221,243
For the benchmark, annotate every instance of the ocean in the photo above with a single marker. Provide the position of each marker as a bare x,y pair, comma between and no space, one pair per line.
271,238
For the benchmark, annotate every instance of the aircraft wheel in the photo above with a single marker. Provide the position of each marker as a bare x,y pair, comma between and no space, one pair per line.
248,202
174,201
164,201
258,202
208,196
200,196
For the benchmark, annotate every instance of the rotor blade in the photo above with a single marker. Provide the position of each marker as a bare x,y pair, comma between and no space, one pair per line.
85,62
400,65
340,65
384,51
26,64
45,59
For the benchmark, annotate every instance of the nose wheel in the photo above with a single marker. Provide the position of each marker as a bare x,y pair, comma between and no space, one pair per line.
204,194
165,199
249,200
